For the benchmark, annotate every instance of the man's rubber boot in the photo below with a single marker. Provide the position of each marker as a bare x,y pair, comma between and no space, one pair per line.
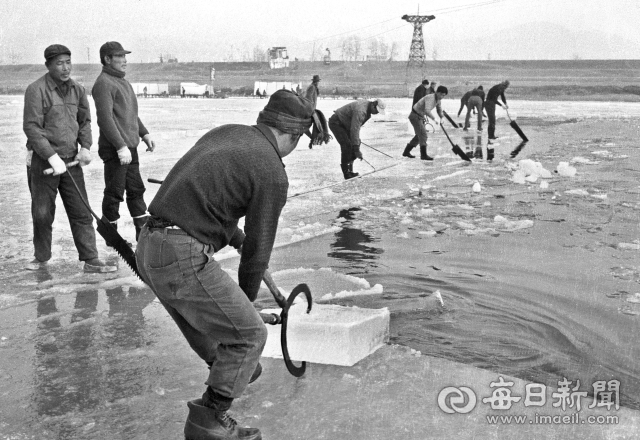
407,152
478,153
139,222
345,171
204,423
489,153
469,154
423,153
351,171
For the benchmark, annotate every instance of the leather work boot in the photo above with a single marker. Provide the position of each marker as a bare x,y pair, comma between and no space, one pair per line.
345,171
205,423
407,152
95,265
423,153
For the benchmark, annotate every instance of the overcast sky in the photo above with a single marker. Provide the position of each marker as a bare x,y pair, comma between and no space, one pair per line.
221,30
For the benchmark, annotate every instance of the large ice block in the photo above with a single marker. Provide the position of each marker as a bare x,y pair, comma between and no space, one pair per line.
330,334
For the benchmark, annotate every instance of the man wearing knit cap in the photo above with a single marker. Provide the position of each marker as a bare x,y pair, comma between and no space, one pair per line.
120,133
345,124
56,121
233,171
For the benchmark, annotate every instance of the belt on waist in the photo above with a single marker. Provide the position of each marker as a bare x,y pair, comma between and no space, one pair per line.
171,230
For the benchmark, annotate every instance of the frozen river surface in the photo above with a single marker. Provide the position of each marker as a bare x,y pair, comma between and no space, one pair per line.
540,301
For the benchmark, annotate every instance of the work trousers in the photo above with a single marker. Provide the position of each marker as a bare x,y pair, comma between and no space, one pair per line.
474,102
348,152
212,311
44,190
118,179
420,129
490,107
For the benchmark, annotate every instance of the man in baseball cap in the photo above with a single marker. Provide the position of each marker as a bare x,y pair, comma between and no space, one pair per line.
345,124
233,171
111,48
120,132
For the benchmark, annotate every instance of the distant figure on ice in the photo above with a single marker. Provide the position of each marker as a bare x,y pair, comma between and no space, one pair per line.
490,103
345,124
233,171
120,133
474,102
420,111
311,94
183,92
144,91
56,120
313,90
421,91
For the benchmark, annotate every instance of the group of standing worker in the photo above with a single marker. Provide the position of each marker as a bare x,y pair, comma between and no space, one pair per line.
56,121
234,171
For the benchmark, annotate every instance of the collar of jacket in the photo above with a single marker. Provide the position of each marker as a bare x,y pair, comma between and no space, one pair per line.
52,84
113,72
266,132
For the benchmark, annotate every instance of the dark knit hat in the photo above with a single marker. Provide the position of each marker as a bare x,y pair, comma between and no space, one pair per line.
54,50
111,48
288,112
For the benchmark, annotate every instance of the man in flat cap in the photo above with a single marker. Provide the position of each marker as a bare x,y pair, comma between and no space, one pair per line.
56,121
345,124
233,171
120,133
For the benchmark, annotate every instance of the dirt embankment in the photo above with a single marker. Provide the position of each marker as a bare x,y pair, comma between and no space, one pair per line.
599,80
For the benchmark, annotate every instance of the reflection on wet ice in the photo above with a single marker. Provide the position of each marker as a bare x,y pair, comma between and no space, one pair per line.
80,366
350,244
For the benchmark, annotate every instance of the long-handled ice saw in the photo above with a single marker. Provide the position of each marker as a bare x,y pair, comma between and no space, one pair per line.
106,229
515,126
455,148
282,319
454,123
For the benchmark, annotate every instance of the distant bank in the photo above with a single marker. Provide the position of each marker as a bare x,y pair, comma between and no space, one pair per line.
602,80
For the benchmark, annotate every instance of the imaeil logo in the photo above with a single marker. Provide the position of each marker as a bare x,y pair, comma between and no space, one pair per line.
452,400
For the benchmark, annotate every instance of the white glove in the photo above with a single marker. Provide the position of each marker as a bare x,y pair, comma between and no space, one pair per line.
151,145
58,165
124,155
83,157
29,156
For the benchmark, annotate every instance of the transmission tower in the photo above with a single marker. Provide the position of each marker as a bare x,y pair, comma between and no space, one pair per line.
417,55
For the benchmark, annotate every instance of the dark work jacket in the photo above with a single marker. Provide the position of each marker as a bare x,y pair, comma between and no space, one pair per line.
233,171
53,123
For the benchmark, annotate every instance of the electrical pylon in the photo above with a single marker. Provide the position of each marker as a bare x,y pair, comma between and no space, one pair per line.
417,55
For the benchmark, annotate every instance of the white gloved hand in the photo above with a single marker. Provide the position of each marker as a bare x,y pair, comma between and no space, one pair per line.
83,157
506,107
29,156
124,155
151,144
58,165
